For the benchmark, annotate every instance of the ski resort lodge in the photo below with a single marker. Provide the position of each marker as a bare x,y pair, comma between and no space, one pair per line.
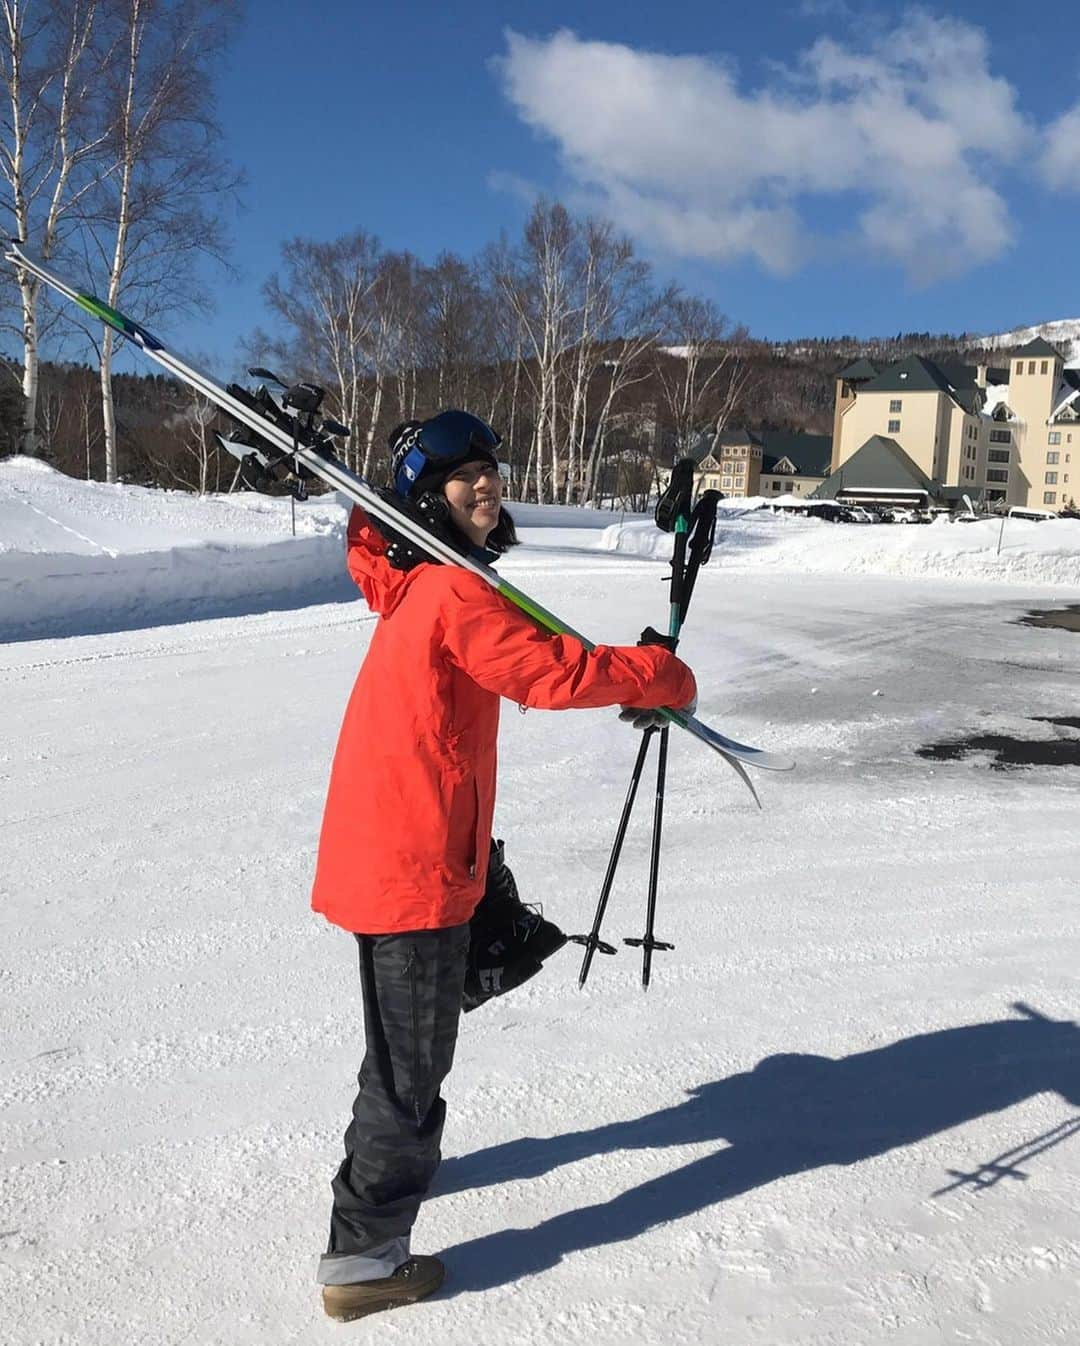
920,433
767,462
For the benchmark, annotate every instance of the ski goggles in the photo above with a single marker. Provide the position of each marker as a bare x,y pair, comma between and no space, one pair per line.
449,438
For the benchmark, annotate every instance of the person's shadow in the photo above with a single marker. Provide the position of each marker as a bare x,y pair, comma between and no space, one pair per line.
789,1114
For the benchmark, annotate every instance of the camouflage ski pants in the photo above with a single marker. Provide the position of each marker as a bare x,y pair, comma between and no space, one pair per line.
412,986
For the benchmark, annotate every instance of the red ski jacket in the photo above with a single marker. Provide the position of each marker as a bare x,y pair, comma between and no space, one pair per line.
407,826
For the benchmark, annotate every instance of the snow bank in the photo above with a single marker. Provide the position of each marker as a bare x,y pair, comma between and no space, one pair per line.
751,538
78,557
82,556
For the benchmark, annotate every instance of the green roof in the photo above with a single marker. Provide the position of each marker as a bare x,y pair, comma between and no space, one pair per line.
880,464
811,454
709,443
1038,347
861,369
913,375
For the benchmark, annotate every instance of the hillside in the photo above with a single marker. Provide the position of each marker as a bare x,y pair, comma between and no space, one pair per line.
1063,333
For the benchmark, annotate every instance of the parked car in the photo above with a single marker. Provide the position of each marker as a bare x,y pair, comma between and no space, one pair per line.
1035,515
860,515
830,511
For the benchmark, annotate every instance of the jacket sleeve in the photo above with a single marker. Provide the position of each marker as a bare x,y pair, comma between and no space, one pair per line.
504,651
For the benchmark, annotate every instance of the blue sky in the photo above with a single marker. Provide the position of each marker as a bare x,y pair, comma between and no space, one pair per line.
815,167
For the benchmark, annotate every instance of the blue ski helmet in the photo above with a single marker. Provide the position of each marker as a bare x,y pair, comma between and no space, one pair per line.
424,453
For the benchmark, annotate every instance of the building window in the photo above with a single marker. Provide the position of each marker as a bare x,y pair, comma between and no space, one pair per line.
1019,366
1055,437
1031,366
1000,436
1052,457
1043,367
894,427
998,456
1049,497
727,484
894,405
996,474
1050,478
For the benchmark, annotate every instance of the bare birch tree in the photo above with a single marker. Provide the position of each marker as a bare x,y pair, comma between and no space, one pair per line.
508,338
50,140
457,329
613,302
698,368
394,340
626,361
540,292
325,302
157,212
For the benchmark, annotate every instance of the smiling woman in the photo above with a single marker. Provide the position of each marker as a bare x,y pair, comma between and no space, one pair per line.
474,495
406,861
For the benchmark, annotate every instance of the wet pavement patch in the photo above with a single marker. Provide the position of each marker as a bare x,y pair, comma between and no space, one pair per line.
1065,619
1011,751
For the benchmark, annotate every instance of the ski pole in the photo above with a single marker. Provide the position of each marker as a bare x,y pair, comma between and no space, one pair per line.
683,487
672,514
592,941
648,943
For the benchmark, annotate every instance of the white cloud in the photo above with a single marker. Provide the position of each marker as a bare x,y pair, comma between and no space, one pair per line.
1060,162
906,133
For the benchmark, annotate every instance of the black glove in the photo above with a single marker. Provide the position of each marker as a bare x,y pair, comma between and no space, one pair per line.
652,719
650,636
431,512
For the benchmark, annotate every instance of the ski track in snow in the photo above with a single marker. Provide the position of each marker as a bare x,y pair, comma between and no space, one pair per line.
747,1154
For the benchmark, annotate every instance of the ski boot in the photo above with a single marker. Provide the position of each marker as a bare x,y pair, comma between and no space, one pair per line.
413,1280
509,941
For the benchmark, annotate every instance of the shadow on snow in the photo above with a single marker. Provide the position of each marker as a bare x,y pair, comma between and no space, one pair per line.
790,1114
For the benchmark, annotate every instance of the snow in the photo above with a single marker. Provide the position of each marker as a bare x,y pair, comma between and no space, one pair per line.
871,995
997,394
1062,333
78,557
749,538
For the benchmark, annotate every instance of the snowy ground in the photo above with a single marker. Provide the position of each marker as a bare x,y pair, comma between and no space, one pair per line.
871,994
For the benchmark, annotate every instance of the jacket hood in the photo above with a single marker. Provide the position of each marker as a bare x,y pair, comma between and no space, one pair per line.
382,585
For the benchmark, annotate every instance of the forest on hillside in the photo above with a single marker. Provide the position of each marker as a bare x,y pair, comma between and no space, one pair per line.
166,435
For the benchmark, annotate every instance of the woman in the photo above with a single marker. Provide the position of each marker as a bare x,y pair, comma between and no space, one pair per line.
406,838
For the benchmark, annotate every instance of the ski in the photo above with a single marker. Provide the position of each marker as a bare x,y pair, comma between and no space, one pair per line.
310,449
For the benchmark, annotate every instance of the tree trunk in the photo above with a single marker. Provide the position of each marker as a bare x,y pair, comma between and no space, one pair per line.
108,411
31,368
376,407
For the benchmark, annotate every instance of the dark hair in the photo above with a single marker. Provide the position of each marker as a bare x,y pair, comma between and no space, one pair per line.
504,535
